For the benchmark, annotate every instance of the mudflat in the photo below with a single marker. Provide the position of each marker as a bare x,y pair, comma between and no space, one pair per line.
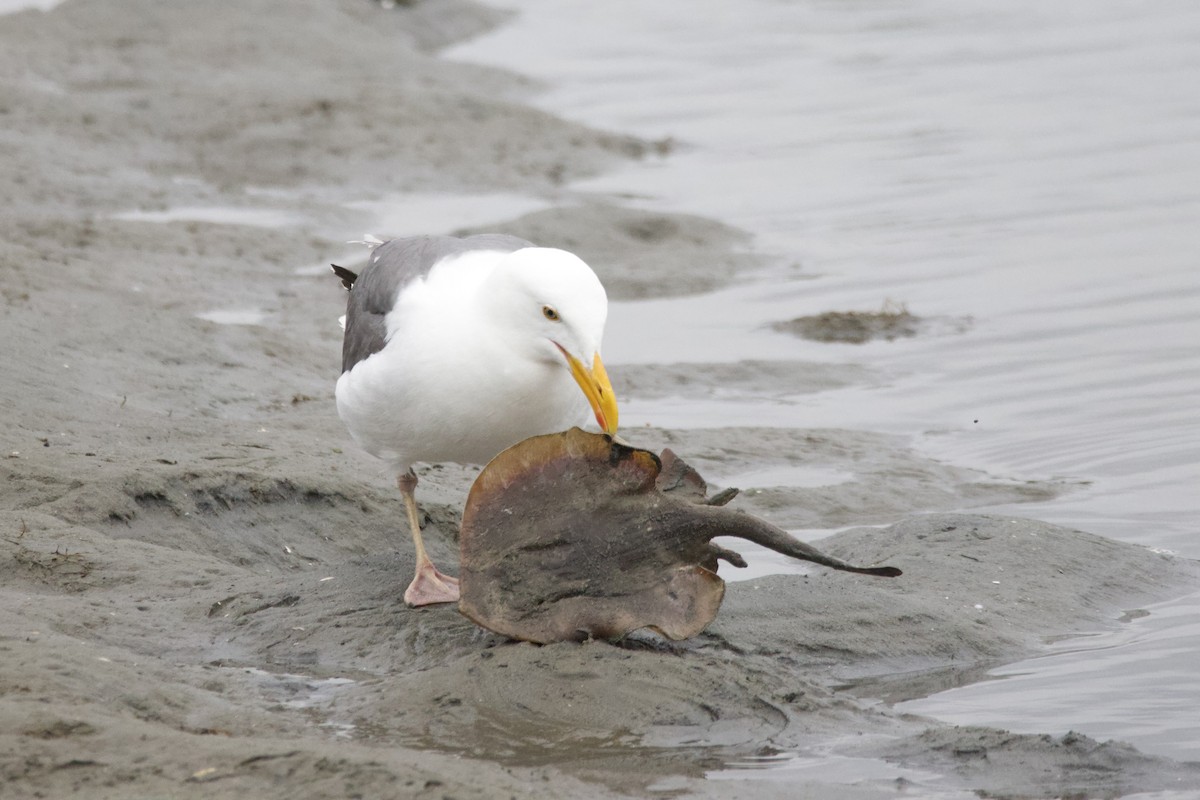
201,577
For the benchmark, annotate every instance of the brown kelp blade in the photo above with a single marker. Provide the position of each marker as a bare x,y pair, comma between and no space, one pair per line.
572,535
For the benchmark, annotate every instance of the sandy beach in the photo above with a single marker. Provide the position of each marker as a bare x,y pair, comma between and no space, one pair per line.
201,575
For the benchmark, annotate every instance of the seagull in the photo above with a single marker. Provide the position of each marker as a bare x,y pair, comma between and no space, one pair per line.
457,348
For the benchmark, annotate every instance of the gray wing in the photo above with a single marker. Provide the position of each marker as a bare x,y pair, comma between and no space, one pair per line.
392,266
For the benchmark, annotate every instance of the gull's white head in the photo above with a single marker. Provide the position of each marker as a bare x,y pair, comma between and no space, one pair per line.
554,307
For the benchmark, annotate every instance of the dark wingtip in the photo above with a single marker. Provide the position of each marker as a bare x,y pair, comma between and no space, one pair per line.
348,278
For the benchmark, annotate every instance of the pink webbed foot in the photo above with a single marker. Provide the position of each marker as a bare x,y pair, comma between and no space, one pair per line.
430,586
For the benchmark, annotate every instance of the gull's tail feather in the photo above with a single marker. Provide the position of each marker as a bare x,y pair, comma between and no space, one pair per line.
348,277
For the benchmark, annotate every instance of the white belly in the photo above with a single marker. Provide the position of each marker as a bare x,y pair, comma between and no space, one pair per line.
405,408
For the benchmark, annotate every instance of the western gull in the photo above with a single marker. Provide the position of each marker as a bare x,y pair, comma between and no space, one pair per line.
457,348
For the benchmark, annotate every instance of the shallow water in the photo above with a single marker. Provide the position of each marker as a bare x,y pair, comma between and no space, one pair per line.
1129,684
216,215
416,213
235,316
13,6
824,769
1027,176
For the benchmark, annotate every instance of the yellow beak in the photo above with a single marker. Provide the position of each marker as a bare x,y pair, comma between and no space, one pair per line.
596,388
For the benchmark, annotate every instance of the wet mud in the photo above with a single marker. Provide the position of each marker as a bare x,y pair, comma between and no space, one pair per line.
201,578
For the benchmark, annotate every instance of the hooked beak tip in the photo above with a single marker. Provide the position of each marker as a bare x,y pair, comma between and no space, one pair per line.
596,388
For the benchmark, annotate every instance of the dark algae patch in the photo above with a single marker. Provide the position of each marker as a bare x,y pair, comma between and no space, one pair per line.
855,327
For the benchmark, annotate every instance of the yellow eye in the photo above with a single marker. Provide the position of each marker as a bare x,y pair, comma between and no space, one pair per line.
549,313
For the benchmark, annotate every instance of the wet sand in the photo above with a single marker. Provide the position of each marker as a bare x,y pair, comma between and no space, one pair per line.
201,577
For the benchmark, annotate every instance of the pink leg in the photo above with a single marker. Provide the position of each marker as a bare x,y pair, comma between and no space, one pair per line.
428,586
